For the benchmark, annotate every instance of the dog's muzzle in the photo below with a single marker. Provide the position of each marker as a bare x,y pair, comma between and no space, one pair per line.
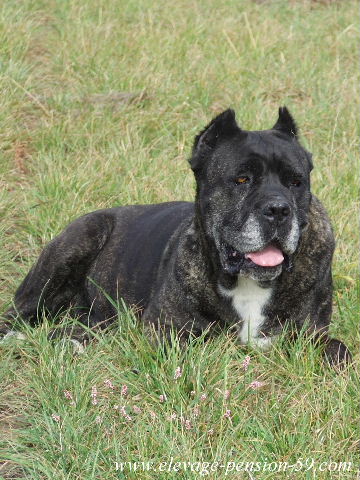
276,212
271,258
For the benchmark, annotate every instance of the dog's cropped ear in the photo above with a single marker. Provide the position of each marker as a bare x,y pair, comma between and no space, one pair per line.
285,123
222,126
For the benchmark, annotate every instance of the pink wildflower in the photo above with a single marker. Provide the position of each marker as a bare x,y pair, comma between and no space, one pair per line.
98,420
196,411
227,414
178,373
173,416
162,398
94,395
68,395
55,417
246,362
188,425
227,394
136,409
108,383
152,414
124,414
124,390
256,384
203,397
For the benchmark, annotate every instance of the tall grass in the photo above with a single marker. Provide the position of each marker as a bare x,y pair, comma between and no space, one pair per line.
70,145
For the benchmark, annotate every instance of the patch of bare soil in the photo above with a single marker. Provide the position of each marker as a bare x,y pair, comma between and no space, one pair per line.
115,100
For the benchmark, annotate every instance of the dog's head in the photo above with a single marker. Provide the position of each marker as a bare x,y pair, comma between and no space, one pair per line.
253,193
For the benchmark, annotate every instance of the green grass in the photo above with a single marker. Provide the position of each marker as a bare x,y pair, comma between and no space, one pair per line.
65,153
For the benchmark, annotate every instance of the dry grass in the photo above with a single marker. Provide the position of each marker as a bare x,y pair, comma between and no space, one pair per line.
71,144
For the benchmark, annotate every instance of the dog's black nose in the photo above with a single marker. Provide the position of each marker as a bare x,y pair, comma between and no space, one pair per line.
276,211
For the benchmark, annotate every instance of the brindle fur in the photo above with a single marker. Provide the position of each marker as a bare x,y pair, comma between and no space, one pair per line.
167,259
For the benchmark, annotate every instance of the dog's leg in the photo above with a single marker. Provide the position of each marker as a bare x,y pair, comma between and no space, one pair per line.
76,334
59,275
335,352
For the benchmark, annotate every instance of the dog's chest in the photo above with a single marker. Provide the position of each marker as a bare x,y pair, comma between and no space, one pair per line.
249,301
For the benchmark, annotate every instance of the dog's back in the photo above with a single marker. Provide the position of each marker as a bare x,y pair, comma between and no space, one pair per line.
131,258
100,258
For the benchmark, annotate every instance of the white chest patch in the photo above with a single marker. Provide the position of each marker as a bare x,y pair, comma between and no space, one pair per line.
249,300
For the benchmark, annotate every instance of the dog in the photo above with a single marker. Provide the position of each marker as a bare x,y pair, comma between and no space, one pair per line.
253,251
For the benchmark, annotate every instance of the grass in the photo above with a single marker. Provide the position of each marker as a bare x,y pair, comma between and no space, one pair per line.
67,151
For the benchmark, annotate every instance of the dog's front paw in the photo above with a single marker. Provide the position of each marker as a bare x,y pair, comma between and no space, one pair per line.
7,332
74,335
337,353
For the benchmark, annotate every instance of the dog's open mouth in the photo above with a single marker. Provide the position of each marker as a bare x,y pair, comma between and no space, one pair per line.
270,257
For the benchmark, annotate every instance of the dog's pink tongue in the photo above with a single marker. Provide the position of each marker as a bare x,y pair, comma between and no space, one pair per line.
269,257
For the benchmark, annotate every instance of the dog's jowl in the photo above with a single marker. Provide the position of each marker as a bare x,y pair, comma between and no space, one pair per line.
253,251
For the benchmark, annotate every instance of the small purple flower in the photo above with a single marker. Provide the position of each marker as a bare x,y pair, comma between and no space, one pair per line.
125,414
94,395
109,384
124,390
178,373
68,395
173,416
203,397
227,414
246,362
256,384
188,425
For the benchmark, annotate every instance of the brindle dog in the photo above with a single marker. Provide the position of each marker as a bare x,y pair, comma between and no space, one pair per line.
254,250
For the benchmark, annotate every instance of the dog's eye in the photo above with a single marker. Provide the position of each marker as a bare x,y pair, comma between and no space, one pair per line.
242,180
295,183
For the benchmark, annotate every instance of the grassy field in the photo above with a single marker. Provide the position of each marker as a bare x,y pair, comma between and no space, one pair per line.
70,144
